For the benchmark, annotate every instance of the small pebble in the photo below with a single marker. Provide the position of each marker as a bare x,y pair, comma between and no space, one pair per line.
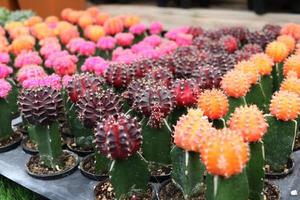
294,193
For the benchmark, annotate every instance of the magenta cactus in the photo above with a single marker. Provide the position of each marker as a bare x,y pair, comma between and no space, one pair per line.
27,58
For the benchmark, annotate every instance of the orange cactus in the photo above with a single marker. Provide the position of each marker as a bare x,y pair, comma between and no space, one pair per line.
18,31
131,20
249,121
41,31
22,43
263,62
4,46
65,13
289,41
32,21
51,19
291,83
13,25
291,29
236,83
285,105
250,68
68,34
214,103
85,20
292,64
113,26
225,153
93,11
278,51
190,130
100,18
94,32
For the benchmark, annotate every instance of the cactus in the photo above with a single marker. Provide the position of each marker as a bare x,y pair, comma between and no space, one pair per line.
119,138
20,15
42,108
8,107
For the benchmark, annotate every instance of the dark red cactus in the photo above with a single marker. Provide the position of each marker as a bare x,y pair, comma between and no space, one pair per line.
160,74
41,106
238,32
259,37
195,31
186,92
154,101
186,59
272,30
242,55
119,75
118,136
93,106
252,48
229,43
140,67
166,61
80,83
208,77
201,41
222,62
213,34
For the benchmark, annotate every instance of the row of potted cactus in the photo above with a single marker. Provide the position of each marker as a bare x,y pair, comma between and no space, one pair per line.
213,109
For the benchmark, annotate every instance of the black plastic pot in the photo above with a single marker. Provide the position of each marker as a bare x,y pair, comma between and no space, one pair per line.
81,153
160,178
153,187
279,175
55,175
13,145
88,174
26,149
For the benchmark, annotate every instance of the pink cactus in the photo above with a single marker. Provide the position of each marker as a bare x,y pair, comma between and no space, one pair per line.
153,40
4,57
138,29
5,70
95,64
183,39
48,49
124,39
30,71
53,81
81,47
156,28
27,58
106,43
5,88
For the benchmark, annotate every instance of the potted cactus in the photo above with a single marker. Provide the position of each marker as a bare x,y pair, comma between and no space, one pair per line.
8,106
41,107
119,138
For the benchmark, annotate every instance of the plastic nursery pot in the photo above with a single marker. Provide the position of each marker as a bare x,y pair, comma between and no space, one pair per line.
277,175
160,173
168,190
104,190
87,168
33,162
12,142
78,150
297,143
28,147
271,191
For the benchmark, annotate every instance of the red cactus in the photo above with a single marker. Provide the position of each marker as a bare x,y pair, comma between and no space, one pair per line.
119,75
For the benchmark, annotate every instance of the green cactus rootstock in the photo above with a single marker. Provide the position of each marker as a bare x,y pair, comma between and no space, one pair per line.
102,163
277,74
187,172
9,110
279,142
220,188
234,103
255,171
49,144
129,175
156,145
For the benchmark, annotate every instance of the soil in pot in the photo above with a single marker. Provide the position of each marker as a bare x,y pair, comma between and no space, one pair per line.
37,168
159,173
275,175
81,151
271,191
88,168
169,191
29,145
11,142
105,191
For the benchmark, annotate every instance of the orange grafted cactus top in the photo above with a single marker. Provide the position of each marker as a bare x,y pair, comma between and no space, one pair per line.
131,20
285,105
291,29
214,103
236,83
113,26
249,121
291,83
250,68
278,51
225,153
288,40
190,130
263,62
22,43
94,32
292,63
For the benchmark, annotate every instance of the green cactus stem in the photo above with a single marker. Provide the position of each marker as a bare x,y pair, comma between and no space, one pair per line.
176,114
234,103
257,96
279,142
187,172
220,188
267,87
102,163
219,123
49,144
129,175
156,145
8,111
255,171
277,74
139,38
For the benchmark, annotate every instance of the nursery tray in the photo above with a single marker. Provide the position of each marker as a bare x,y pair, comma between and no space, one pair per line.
77,187
72,187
